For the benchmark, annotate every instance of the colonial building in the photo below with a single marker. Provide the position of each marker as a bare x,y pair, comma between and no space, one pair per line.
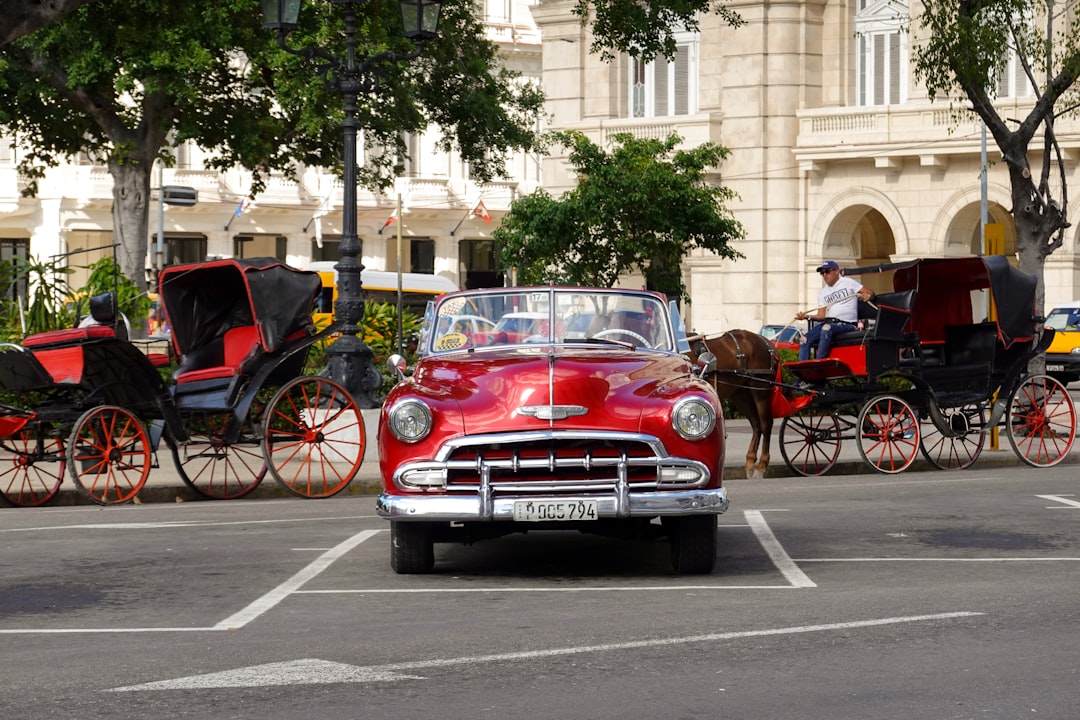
836,152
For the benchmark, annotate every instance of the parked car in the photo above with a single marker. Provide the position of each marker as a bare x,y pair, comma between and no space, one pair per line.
603,433
1063,355
783,336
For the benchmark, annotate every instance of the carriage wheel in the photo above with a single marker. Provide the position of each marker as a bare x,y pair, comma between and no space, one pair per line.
109,455
888,434
810,442
314,440
31,471
955,453
213,467
1041,423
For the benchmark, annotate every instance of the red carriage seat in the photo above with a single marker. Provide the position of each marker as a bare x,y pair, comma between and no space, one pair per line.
60,351
239,345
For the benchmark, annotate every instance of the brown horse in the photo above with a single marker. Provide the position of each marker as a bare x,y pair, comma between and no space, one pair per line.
746,365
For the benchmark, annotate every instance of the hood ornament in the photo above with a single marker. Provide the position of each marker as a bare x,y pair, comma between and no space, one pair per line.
552,412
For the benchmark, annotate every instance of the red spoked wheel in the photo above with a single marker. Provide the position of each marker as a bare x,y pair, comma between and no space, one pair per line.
31,467
314,439
810,442
214,467
1041,423
962,449
109,455
888,434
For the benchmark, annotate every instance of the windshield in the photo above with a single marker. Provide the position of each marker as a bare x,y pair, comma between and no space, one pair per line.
509,316
1064,319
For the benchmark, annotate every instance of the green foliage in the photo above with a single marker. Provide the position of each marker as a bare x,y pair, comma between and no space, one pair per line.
46,308
105,276
644,205
645,29
126,80
380,334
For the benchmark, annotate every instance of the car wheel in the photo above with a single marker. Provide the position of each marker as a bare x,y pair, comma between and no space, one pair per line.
411,548
693,543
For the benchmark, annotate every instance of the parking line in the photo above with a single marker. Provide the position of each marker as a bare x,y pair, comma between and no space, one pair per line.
290,586
776,552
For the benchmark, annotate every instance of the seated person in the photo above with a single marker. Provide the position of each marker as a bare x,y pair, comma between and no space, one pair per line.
837,310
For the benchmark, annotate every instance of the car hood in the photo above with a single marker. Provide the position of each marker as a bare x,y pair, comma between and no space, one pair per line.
524,388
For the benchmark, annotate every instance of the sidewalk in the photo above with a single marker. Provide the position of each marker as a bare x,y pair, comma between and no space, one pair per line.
165,485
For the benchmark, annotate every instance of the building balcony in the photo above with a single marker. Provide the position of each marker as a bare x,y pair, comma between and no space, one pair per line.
928,132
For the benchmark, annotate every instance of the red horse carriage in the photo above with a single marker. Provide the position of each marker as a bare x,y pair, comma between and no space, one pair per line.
942,362
88,401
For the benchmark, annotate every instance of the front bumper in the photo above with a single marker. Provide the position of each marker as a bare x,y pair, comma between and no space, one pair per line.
1063,363
465,508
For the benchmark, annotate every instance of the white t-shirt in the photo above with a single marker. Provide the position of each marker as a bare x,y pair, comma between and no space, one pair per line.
841,300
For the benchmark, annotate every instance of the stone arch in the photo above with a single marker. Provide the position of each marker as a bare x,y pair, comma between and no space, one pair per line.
955,229
859,226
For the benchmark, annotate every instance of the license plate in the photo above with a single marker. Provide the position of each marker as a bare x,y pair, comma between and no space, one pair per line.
554,510
1055,368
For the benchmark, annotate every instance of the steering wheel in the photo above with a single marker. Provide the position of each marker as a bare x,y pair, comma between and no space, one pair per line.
620,331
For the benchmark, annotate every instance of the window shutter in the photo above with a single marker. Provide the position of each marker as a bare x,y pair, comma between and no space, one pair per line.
661,69
682,80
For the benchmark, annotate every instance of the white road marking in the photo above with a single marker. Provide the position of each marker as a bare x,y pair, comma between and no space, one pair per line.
1066,504
313,671
275,596
776,552
310,671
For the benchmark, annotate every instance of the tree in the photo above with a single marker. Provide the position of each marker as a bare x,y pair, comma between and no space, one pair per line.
645,29
25,16
125,80
644,206
968,47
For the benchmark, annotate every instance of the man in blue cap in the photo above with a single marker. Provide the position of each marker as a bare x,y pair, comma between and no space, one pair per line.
837,310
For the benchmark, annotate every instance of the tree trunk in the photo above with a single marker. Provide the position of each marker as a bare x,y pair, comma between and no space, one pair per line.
131,196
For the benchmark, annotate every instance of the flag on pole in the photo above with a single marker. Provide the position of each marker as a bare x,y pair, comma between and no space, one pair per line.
481,212
242,207
391,219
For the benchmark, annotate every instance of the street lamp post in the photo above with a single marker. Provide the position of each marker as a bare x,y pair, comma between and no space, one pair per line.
349,359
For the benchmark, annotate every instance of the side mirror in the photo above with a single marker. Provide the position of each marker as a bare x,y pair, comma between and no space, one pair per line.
706,364
396,363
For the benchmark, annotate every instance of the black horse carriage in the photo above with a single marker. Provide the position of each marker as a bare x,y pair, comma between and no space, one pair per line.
941,364
87,400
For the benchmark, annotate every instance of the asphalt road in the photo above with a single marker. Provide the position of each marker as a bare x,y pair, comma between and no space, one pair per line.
924,595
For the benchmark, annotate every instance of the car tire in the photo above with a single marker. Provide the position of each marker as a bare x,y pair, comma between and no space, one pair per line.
1064,378
412,550
693,543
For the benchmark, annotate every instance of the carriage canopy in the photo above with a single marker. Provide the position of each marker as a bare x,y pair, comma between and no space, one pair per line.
204,300
947,288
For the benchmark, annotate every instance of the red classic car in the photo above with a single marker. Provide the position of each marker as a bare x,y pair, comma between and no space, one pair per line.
594,421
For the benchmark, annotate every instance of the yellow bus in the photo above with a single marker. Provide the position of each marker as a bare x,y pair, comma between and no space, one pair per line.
379,286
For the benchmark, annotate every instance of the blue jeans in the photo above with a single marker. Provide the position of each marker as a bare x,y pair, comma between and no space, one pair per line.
821,335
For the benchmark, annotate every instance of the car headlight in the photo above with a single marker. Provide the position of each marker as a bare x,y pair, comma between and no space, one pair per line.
1075,351
410,421
693,418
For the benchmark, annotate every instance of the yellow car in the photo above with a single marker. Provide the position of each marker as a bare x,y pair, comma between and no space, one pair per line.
1063,355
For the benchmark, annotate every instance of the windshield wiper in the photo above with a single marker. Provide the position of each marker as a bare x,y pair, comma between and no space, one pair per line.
601,341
